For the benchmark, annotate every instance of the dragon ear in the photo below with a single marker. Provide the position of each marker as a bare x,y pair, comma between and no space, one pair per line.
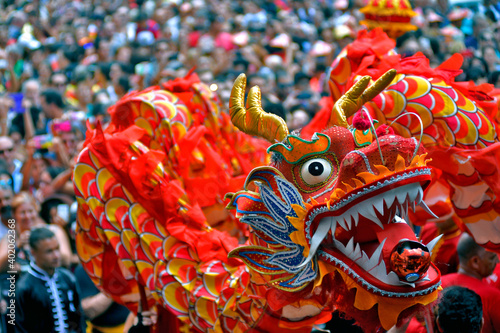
253,119
358,95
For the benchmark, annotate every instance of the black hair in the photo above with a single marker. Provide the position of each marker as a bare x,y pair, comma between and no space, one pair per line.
53,96
460,311
467,248
39,234
493,77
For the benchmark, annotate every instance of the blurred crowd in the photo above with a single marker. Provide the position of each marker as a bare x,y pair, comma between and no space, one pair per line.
63,63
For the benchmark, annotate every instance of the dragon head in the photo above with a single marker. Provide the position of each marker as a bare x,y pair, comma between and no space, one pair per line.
333,207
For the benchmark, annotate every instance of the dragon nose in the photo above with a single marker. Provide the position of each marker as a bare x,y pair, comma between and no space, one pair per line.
410,260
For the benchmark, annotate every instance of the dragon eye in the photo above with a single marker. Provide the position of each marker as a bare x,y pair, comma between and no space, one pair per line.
316,171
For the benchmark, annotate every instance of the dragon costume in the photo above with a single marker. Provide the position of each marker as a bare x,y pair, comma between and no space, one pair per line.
322,227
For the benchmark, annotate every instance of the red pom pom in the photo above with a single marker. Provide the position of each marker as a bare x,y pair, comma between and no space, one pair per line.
384,130
360,121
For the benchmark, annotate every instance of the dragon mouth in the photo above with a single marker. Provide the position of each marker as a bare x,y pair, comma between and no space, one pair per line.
358,232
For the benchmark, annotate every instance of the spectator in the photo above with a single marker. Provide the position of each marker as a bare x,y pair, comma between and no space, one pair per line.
476,263
13,165
26,213
47,298
460,310
52,104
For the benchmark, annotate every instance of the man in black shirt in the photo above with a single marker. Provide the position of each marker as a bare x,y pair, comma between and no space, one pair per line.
47,297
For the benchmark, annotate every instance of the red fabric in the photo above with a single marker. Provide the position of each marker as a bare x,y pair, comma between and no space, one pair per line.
490,297
416,327
494,279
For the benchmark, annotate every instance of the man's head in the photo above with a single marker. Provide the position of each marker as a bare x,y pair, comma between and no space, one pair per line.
7,151
31,90
45,249
474,259
6,195
52,103
460,310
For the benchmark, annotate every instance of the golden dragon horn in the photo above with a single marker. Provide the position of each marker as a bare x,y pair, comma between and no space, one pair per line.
253,119
358,95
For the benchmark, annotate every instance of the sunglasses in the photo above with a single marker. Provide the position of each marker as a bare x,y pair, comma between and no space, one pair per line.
5,182
10,150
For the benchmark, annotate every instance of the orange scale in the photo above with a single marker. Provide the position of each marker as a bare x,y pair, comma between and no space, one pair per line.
428,140
446,136
104,181
162,278
86,248
207,310
166,109
183,269
464,103
86,159
84,174
467,133
116,209
431,131
178,130
149,225
150,244
84,217
117,191
213,267
448,91
417,87
400,85
341,70
424,113
144,124
138,215
487,128
214,283
439,82
444,106
175,298
395,103
167,96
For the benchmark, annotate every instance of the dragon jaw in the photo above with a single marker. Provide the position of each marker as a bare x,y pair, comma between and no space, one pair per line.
358,232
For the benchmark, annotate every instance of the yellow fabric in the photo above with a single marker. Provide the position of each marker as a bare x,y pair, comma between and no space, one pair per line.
388,308
115,329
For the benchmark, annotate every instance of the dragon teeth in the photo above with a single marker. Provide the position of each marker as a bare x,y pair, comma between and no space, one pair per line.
379,206
318,237
356,254
427,209
375,259
356,218
350,246
342,223
432,243
348,223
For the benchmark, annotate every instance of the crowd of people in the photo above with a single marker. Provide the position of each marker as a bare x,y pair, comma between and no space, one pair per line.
63,63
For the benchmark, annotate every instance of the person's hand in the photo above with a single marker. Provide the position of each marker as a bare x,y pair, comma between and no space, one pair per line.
26,103
56,219
24,239
149,318
5,105
30,148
